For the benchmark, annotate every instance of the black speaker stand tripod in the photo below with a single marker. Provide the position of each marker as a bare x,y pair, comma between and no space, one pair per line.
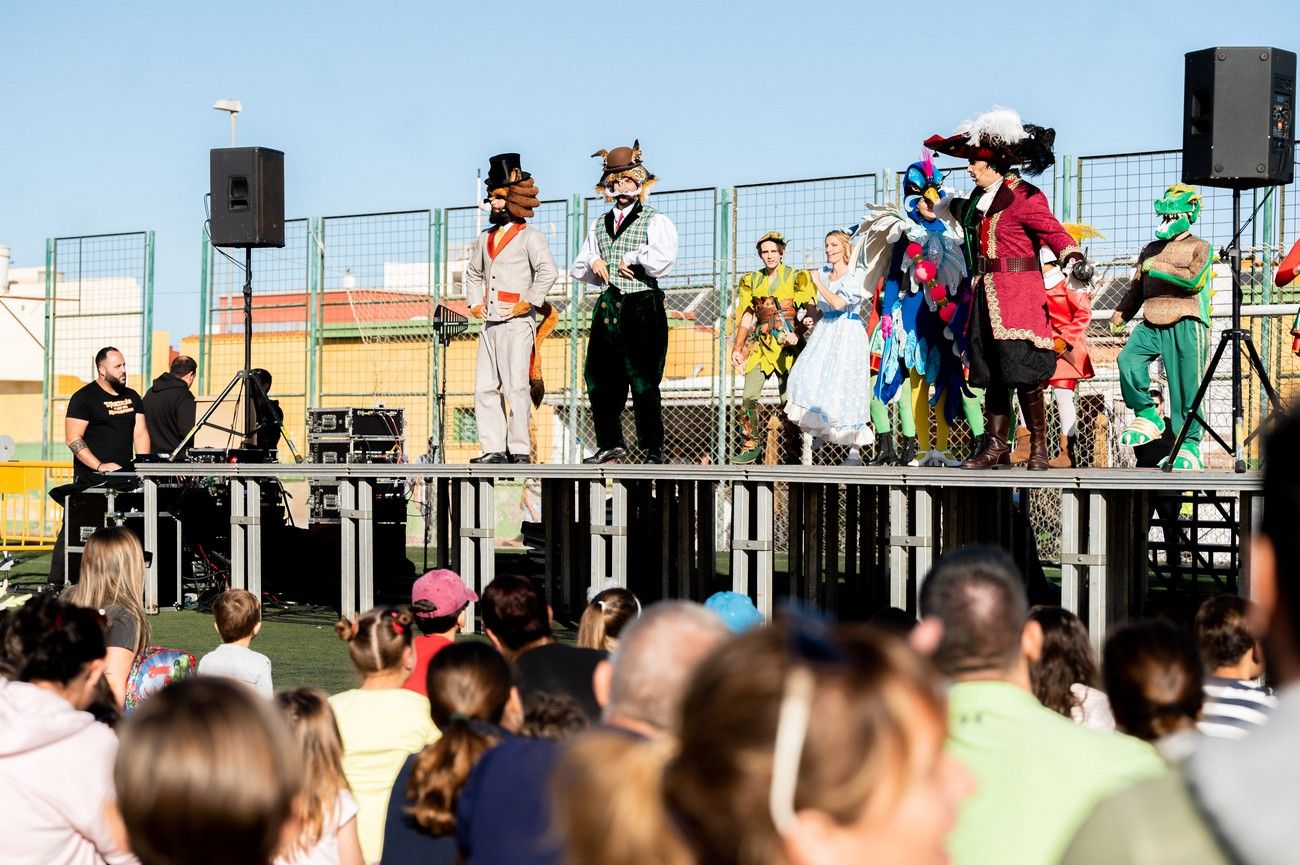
244,384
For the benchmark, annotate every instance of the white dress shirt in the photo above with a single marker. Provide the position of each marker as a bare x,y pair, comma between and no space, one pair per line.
656,256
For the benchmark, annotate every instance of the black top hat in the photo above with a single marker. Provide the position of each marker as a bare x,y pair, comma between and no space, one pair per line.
504,170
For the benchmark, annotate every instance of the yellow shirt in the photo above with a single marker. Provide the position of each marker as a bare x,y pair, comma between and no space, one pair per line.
380,729
786,284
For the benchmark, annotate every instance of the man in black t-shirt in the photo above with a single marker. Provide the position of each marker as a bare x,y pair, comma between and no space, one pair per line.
105,420
517,620
104,428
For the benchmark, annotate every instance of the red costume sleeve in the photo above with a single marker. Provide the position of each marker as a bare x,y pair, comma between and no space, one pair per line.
1074,331
1038,219
1286,271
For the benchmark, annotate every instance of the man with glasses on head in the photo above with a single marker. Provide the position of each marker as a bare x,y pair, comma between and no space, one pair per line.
625,253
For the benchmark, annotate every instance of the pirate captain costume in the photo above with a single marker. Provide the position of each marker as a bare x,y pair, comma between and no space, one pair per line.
635,245
508,273
1005,223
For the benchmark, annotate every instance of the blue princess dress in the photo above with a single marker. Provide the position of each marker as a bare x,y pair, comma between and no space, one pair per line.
829,390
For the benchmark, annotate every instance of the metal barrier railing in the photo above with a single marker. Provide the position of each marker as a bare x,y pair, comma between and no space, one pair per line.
29,518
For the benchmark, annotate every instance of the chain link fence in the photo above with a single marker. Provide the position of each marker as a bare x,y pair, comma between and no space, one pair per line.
98,292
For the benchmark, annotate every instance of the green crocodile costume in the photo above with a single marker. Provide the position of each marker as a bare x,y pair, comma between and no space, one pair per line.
1172,283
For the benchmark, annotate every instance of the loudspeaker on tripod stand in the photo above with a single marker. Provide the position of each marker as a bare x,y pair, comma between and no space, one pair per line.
247,185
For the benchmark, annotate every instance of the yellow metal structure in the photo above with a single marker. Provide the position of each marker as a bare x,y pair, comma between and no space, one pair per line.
29,518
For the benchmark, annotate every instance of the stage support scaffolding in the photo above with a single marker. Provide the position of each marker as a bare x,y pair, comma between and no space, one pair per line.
844,539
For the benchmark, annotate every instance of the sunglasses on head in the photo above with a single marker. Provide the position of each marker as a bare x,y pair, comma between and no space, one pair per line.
811,643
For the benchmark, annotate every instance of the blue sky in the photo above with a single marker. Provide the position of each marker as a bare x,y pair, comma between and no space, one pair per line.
393,105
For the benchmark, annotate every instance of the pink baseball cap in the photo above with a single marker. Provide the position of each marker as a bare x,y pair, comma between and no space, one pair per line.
440,593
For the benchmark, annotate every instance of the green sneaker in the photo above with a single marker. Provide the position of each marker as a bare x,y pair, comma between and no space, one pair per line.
748,455
1145,428
1189,458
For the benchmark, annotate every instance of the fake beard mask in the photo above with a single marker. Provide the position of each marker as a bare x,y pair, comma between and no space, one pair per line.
499,217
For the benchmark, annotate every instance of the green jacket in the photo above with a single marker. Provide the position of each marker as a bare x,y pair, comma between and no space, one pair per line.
1153,823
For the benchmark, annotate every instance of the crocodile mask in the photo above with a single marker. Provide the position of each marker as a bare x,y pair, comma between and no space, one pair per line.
1178,208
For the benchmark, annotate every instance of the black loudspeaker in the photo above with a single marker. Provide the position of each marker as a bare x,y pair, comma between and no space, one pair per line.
1239,117
247,197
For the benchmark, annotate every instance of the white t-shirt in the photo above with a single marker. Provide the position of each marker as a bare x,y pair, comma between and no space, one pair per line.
326,851
1093,709
242,664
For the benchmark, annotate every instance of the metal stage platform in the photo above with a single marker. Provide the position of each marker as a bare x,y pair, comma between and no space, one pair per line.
858,537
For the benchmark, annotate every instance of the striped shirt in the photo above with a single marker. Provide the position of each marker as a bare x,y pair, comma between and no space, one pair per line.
1234,707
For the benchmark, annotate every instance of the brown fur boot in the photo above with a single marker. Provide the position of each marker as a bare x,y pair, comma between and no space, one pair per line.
1065,459
1020,453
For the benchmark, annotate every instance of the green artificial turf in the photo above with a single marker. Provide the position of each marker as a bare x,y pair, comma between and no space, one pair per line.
303,648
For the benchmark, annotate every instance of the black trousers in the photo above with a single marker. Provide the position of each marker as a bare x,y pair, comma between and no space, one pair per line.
1002,364
626,350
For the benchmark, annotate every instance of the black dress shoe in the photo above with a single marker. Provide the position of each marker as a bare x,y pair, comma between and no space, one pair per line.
492,459
655,457
520,458
607,455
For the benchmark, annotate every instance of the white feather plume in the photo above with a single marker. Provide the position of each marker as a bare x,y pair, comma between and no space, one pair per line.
999,126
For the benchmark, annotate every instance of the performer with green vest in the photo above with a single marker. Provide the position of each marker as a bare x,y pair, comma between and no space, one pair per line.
773,308
625,253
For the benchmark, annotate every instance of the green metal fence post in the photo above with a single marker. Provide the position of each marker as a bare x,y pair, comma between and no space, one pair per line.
205,310
314,302
577,230
1266,334
1078,192
722,285
1064,171
437,236
148,308
47,388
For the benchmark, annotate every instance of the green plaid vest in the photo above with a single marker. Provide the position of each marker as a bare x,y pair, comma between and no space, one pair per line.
612,250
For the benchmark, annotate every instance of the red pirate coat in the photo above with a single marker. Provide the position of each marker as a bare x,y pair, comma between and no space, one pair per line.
1069,313
1018,223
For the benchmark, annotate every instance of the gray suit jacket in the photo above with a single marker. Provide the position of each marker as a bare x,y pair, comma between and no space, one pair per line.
522,270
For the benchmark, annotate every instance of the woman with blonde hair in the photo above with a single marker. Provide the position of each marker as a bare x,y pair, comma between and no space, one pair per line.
829,390
605,617
112,580
326,812
381,723
751,779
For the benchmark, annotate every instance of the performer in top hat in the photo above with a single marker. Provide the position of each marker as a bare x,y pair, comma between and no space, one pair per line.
1005,223
626,251
509,271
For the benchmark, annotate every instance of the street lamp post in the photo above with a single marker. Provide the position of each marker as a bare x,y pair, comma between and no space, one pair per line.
232,107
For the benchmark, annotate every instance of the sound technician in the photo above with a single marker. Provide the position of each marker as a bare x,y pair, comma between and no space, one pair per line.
104,428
